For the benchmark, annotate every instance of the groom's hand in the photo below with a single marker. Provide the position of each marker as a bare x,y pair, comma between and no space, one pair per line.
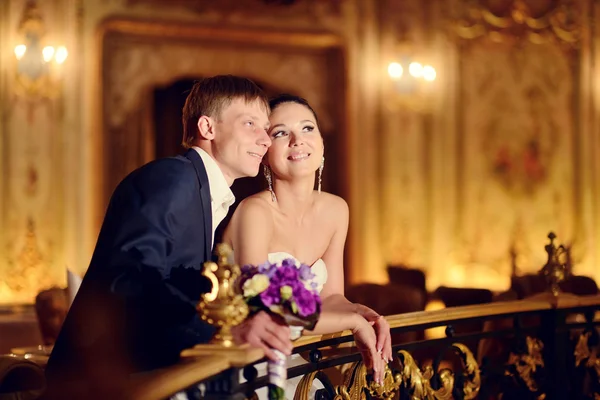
264,332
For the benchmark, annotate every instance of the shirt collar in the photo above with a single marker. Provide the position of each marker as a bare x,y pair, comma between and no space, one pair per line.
220,193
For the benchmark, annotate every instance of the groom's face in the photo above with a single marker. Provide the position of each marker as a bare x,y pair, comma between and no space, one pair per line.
241,139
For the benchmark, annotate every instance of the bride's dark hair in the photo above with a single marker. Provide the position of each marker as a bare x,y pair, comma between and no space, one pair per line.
290,98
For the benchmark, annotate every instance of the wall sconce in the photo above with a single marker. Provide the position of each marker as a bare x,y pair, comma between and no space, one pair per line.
38,63
412,83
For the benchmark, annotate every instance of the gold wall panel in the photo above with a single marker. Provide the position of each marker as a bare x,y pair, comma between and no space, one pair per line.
507,151
470,188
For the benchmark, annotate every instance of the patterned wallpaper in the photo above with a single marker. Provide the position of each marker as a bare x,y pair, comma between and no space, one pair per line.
505,152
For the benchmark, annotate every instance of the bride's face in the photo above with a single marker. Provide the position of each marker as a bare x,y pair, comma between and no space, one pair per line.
297,144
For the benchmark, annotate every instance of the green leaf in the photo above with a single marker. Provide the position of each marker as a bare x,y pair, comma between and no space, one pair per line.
294,307
276,393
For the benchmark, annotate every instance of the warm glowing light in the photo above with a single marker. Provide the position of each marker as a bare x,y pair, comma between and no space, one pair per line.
415,69
429,73
62,53
47,53
20,51
457,276
439,331
395,70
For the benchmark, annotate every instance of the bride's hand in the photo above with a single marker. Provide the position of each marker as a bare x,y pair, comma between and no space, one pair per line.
366,340
367,313
382,329
265,332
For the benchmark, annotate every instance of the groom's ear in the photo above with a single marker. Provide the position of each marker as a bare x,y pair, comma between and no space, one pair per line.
206,128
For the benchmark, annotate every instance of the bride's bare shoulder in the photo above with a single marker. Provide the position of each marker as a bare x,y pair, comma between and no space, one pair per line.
333,205
257,203
251,213
250,222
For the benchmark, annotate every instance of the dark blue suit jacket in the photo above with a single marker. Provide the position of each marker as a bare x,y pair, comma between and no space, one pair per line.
136,307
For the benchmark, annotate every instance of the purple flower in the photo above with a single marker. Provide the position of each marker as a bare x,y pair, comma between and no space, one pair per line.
305,300
285,275
271,296
267,269
288,262
305,272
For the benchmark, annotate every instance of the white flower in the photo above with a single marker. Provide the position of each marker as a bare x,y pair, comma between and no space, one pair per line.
256,285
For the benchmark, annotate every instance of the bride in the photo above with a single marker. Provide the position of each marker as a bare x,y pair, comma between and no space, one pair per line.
292,220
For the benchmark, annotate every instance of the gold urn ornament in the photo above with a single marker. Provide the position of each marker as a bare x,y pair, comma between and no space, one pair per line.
557,268
222,307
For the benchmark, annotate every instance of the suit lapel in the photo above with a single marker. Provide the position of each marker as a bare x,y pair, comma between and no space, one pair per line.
194,157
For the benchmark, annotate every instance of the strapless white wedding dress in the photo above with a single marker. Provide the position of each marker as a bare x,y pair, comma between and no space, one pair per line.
320,271
318,268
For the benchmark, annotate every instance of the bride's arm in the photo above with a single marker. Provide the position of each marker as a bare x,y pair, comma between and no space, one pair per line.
364,336
333,290
332,294
339,302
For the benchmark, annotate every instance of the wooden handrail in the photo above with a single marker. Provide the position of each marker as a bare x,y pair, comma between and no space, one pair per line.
163,383
540,302
444,315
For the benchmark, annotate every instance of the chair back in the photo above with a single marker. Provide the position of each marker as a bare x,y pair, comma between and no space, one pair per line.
51,307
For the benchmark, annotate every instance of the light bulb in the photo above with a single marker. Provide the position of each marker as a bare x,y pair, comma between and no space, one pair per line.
20,51
61,54
429,73
395,70
415,69
47,53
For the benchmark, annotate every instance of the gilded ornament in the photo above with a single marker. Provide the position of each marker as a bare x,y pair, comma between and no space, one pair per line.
303,388
27,270
222,307
557,267
584,356
528,363
391,385
560,22
356,386
419,382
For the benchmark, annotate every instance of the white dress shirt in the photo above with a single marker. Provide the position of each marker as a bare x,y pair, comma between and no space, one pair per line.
221,196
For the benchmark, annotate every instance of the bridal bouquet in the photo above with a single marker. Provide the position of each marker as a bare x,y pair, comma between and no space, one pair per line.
289,290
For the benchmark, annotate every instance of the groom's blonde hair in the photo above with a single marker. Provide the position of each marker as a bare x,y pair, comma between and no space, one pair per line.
210,96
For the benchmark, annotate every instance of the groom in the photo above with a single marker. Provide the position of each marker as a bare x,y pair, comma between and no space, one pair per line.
136,308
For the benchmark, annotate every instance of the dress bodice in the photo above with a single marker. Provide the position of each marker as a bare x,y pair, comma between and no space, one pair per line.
318,268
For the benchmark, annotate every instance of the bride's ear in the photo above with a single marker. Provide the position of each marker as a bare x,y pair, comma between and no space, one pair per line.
206,128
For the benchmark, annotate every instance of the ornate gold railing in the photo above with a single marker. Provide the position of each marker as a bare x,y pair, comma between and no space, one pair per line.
545,347
550,343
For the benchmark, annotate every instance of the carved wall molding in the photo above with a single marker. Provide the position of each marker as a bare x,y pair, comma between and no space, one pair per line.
510,20
250,6
310,14
27,269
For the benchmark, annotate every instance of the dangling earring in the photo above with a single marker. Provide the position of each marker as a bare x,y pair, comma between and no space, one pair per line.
267,172
321,173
